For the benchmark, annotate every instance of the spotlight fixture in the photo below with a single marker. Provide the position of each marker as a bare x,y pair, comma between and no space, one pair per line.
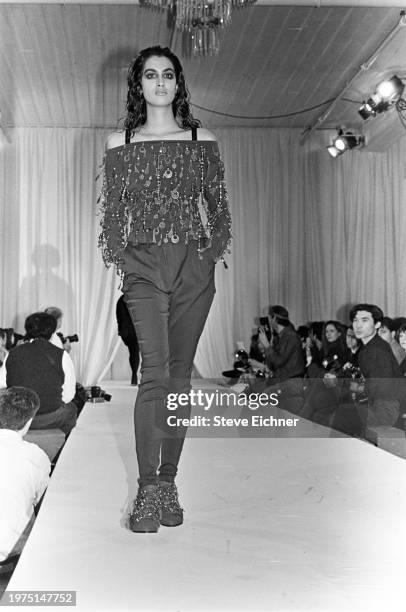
344,142
387,94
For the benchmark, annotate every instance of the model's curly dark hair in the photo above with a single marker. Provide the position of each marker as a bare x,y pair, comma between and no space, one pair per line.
136,106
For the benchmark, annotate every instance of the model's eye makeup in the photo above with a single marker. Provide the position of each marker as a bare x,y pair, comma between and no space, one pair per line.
167,74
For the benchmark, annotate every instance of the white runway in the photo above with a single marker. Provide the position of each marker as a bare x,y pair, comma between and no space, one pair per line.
280,524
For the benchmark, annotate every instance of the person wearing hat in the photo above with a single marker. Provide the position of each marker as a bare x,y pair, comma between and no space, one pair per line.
284,355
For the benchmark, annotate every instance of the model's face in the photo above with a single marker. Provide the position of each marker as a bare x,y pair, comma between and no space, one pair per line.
158,81
364,326
351,339
332,333
402,339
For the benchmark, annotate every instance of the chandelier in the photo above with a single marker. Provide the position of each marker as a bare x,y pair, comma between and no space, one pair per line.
201,20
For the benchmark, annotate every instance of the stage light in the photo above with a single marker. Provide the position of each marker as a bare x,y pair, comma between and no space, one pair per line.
334,152
344,142
387,94
391,90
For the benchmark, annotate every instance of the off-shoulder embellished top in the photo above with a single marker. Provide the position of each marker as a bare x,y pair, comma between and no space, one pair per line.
163,192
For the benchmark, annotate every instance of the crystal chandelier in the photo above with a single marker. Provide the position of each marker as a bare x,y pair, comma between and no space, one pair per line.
202,20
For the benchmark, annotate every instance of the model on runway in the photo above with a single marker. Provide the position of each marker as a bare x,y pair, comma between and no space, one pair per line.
165,223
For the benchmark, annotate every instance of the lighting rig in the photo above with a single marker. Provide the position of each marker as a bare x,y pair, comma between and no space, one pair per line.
345,141
388,94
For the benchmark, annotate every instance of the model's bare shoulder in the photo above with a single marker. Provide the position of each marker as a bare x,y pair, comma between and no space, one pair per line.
203,134
116,139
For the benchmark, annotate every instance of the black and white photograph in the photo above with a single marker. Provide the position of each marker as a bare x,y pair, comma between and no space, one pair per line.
203,305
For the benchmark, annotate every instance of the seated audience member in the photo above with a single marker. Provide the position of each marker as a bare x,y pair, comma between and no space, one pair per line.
332,357
379,368
353,347
127,333
58,340
3,349
387,332
401,339
283,352
335,387
40,365
314,343
57,337
303,333
7,341
24,469
333,350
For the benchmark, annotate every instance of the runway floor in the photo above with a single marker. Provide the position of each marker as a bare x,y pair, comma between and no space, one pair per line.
281,524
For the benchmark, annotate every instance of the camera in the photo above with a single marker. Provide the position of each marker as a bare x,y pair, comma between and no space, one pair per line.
19,339
331,364
242,362
353,373
73,338
96,395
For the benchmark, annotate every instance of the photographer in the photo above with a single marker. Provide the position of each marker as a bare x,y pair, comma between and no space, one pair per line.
46,369
283,353
57,338
283,347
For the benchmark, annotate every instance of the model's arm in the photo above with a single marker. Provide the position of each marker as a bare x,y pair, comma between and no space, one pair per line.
114,219
215,195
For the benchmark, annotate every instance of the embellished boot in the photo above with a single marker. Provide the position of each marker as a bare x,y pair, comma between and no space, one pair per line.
145,513
171,512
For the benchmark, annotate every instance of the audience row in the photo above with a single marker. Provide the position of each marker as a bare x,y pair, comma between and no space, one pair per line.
350,378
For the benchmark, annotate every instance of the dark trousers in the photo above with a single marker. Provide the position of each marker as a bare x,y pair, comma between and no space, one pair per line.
168,291
131,342
63,418
354,419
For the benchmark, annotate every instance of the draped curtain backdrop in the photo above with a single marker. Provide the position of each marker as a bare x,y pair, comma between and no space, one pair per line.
312,233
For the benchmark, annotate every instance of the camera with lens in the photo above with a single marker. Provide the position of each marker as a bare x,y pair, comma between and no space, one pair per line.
242,360
73,338
331,364
353,374
19,339
96,395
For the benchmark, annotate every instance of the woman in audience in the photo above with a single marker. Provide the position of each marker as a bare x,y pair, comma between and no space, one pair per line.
334,346
331,350
353,346
387,333
333,354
